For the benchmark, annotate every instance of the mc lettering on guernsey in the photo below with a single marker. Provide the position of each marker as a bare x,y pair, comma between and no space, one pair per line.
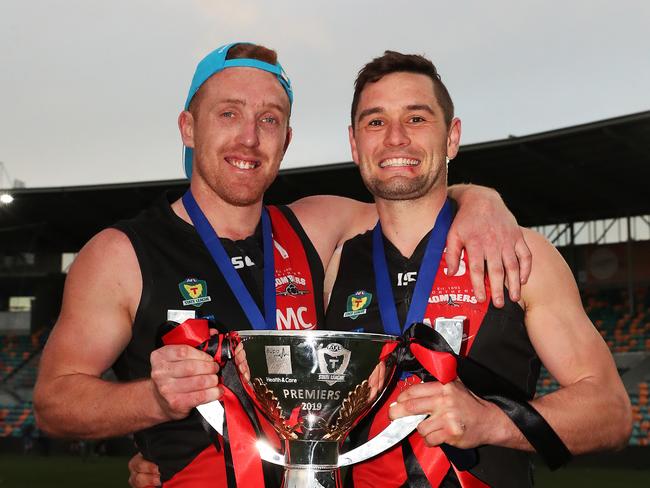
292,319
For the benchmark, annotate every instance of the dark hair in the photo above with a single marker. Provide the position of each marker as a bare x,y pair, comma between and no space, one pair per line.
239,51
253,51
393,62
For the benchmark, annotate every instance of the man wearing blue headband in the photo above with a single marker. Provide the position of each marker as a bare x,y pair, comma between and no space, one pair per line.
203,256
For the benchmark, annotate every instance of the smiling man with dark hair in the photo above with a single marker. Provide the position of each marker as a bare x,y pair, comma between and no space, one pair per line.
402,136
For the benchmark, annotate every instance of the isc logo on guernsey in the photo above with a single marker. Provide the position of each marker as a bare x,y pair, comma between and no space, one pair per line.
292,319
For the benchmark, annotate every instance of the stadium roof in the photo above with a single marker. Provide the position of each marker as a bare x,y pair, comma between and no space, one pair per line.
591,171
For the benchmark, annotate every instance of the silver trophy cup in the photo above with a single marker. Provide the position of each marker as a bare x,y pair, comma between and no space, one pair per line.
314,387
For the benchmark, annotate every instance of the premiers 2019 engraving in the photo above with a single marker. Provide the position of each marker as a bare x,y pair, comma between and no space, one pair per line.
312,406
316,394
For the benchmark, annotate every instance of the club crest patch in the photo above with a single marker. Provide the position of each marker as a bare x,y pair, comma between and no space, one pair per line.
357,304
291,285
290,289
195,292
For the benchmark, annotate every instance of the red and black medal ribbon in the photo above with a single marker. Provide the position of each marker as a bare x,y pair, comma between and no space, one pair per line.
430,357
241,425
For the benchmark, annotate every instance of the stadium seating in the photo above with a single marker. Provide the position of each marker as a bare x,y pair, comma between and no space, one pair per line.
546,383
641,415
15,418
623,331
18,367
16,352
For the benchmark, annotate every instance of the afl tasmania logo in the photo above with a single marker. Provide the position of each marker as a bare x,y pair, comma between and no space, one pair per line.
333,360
194,291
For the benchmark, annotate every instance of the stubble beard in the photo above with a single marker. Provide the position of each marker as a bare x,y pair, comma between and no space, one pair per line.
234,194
237,199
401,187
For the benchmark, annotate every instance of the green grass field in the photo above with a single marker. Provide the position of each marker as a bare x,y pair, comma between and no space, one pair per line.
104,472
62,471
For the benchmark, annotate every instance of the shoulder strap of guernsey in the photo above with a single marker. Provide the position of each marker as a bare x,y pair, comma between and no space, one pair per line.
294,289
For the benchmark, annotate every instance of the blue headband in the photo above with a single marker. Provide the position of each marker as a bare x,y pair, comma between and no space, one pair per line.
216,61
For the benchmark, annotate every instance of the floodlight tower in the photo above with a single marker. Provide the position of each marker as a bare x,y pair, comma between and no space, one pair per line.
7,182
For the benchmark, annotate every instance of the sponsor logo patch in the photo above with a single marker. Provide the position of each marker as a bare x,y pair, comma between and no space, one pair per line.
195,292
292,319
358,303
278,359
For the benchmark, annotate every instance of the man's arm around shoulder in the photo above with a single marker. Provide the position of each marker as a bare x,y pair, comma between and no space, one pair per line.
330,220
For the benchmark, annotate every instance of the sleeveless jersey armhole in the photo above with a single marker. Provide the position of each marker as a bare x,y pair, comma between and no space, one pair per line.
145,267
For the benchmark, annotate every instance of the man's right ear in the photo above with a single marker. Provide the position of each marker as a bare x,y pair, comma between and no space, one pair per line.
186,126
353,145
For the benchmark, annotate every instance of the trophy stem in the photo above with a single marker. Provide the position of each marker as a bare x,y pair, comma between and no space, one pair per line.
309,477
311,464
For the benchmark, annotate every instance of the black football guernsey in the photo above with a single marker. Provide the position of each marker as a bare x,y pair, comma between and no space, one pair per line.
178,273
496,338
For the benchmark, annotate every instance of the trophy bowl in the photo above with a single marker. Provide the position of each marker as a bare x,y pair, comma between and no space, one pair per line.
314,387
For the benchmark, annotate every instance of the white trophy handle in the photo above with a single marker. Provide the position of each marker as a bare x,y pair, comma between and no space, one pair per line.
387,438
267,453
393,433
213,413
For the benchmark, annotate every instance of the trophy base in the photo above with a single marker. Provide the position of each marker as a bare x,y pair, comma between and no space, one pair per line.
312,454
310,477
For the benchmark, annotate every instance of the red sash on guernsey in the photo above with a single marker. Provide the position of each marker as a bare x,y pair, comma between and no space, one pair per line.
451,296
295,309
294,290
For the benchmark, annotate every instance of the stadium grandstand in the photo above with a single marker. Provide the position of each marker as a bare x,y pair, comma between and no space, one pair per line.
584,187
